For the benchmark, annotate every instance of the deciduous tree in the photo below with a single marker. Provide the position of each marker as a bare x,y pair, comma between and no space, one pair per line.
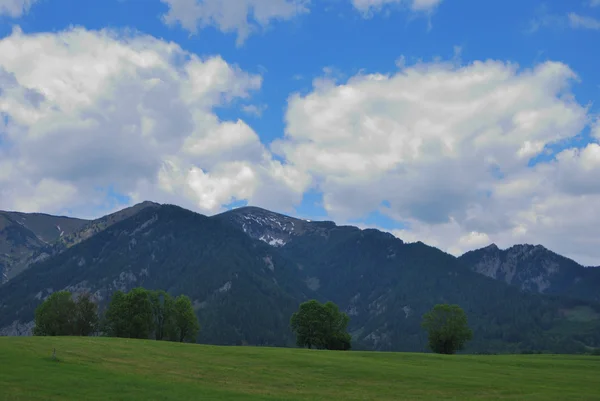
321,326
162,309
186,324
116,317
447,327
55,316
86,315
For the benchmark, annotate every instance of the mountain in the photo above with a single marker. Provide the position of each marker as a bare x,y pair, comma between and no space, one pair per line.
386,285
27,238
536,269
247,270
244,292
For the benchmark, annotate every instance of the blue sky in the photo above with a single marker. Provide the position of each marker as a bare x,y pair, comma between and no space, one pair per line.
319,53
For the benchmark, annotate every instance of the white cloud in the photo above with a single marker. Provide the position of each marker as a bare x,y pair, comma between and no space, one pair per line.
89,111
242,17
15,8
448,147
594,3
583,22
572,20
255,110
368,6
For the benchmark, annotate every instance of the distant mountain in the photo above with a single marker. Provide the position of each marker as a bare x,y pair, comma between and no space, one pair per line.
248,269
27,238
536,269
242,290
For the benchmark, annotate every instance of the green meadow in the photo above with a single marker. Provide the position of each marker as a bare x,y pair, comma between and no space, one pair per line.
90,368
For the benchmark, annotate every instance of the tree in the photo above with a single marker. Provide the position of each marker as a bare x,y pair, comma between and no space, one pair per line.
54,316
447,327
86,316
185,321
307,324
60,315
139,313
335,336
116,319
321,325
162,310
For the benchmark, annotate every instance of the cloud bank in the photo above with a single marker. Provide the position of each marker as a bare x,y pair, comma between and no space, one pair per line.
459,155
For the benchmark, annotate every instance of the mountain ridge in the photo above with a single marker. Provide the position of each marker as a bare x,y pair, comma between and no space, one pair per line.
16,254
246,270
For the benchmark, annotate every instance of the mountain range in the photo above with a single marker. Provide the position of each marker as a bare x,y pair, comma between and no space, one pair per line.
247,270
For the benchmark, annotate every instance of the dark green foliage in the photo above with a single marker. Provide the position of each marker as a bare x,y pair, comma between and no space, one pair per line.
163,313
130,315
321,325
145,314
55,316
139,308
448,328
86,315
59,315
185,322
116,319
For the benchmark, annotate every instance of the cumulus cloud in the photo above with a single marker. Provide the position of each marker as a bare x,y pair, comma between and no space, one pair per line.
88,112
443,148
242,17
15,8
446,150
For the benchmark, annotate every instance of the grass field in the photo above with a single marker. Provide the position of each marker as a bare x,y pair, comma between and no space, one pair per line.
118,369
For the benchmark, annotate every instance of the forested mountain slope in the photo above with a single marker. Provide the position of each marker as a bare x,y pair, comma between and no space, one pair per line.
27,238
248,269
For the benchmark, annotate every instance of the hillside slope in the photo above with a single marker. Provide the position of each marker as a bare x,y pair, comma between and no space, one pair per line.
26,238
386,286
244,292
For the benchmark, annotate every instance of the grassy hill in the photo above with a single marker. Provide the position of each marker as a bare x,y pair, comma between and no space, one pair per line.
119,369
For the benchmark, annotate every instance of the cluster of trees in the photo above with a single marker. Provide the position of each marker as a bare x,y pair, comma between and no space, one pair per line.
61,315
140,313
323,326
146,314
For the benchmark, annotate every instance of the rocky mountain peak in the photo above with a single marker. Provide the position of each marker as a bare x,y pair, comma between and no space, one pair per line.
273,228
534,268
524,250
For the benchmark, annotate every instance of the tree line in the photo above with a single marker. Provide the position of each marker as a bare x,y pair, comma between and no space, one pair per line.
139,313
146,314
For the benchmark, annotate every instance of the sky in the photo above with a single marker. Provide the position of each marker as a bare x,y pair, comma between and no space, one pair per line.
456,123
